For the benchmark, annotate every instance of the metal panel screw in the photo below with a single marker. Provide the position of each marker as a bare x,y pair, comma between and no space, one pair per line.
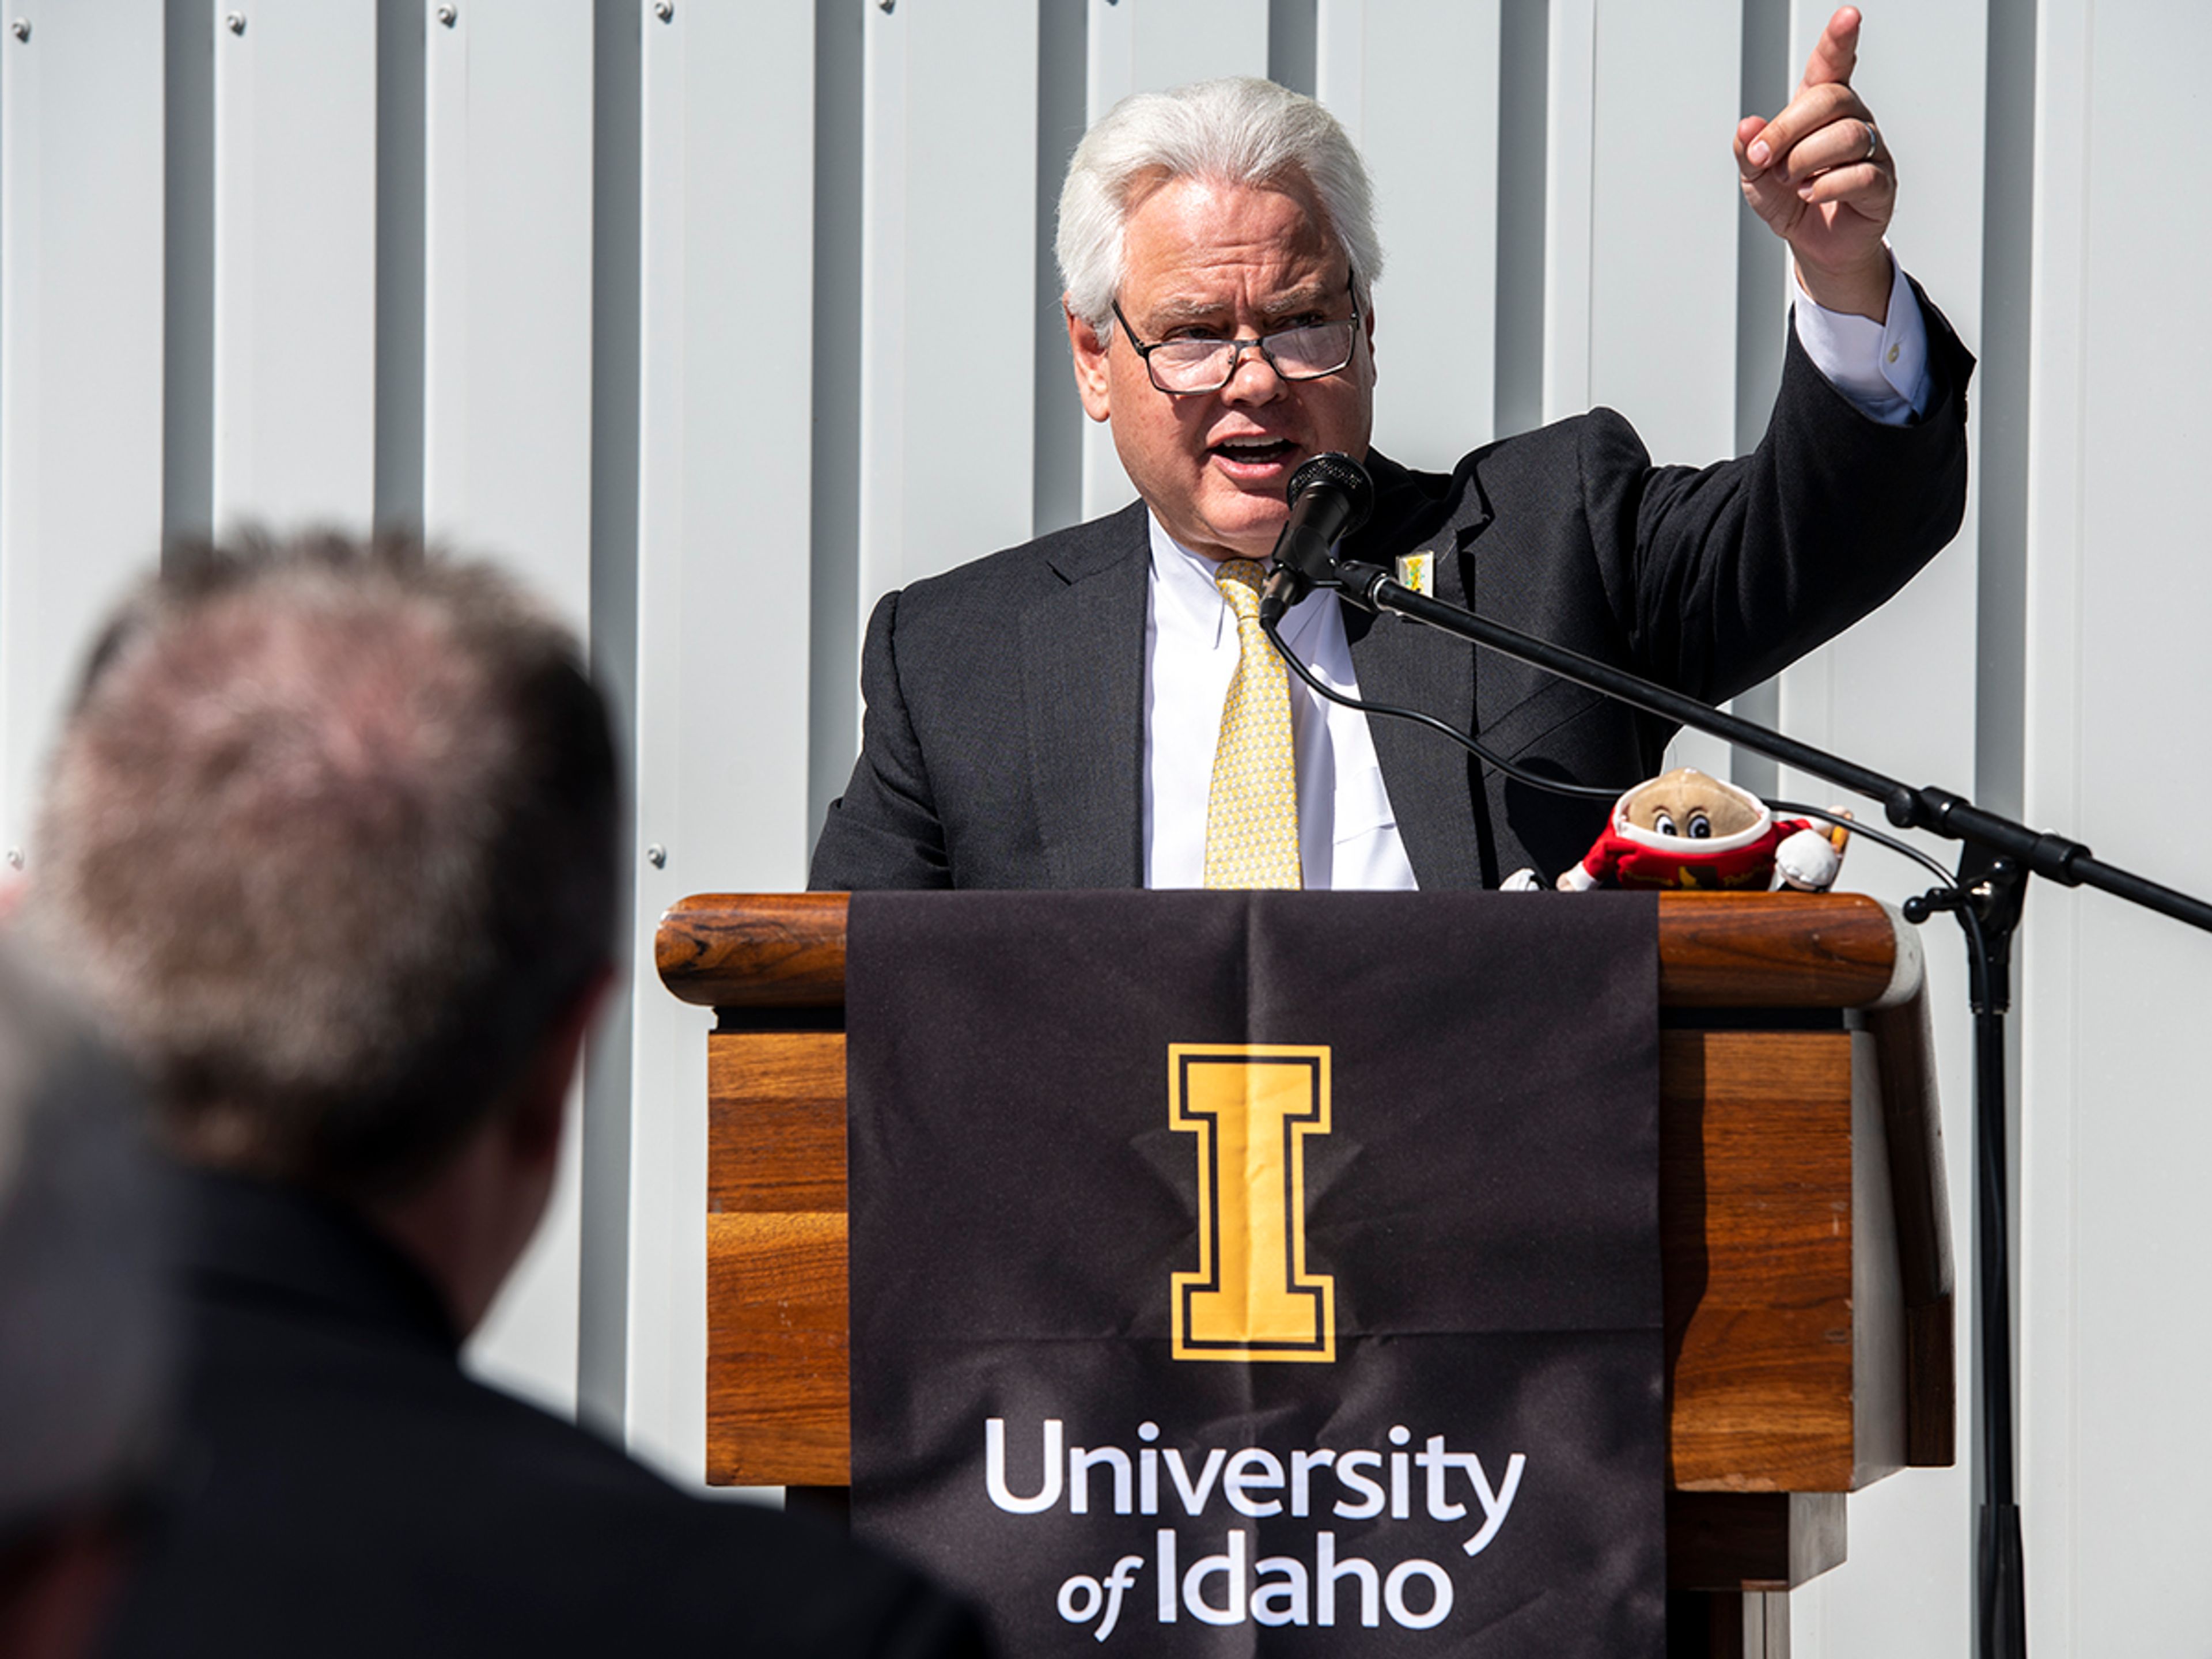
14,858
235,21
449,15
664,10
21,28
657,856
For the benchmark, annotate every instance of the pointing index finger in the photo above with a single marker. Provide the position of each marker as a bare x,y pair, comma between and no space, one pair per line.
1836,53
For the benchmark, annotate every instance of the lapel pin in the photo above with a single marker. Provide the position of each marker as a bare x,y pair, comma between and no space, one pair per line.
1418,572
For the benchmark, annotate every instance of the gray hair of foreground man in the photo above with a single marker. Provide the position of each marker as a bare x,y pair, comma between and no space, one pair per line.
1233,131
331,834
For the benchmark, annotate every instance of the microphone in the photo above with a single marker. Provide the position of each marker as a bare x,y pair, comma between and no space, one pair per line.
1329,496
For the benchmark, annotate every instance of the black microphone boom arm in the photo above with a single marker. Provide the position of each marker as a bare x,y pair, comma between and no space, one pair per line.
1938,810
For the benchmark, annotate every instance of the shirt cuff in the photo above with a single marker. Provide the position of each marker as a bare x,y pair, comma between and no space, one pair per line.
1880,367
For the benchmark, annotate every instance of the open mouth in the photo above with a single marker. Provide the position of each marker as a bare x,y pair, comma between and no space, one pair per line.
1254,451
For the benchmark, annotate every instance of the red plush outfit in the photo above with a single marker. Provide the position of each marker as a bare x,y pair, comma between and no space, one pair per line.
1625,856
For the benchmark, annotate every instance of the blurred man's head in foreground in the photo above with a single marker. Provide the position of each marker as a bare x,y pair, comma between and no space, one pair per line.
330,840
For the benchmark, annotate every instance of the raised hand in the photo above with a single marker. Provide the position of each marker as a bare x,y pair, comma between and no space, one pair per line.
1822,177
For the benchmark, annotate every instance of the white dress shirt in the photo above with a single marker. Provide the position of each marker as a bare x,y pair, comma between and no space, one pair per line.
1347,834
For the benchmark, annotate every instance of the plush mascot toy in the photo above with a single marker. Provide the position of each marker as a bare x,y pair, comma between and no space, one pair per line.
1685,831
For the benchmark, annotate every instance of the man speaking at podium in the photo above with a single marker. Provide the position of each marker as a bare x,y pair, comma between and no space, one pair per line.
1100,709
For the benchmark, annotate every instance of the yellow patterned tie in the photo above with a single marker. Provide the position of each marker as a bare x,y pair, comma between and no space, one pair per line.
1252,815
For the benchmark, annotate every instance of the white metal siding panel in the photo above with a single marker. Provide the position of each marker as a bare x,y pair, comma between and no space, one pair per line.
1898,692
80,213
1417,87
295,262
948,363
506,434
508,311
2116,1137
1663,219
722,605
1569,119
2054,1044
1662,238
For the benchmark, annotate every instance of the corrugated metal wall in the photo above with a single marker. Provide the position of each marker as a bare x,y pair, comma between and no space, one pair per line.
716,318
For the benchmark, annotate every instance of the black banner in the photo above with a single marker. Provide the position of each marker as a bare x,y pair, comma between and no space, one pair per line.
1256,1273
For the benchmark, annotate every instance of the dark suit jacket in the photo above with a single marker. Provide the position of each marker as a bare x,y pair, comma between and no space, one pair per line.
345,1489
1004,741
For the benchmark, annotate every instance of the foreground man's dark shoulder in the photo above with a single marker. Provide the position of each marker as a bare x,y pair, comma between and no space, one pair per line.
377,1500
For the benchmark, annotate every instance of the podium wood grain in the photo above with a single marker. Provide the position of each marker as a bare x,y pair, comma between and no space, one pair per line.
1716,950
1757,1231
1801,1231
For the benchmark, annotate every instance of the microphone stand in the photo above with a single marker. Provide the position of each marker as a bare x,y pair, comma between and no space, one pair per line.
1997,858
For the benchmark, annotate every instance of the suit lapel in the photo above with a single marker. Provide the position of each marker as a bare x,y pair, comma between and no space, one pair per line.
1083,672
1427,775
1432,792
1083,678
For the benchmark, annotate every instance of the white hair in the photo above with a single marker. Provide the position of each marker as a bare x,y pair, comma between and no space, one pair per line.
1234,132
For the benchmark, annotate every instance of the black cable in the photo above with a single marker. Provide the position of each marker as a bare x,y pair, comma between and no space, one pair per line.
1559,786
1519,775
1858,827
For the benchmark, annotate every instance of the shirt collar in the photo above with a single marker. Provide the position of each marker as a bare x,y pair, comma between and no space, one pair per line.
265,1244
1185,579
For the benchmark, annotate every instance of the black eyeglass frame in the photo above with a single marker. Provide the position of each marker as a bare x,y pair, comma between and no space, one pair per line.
1238,348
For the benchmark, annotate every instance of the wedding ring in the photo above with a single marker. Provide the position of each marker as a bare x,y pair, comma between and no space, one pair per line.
1873,141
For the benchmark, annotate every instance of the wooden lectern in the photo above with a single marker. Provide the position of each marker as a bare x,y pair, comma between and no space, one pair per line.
1806,1267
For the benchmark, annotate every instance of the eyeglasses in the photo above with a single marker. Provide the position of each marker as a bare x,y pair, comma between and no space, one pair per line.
1194,364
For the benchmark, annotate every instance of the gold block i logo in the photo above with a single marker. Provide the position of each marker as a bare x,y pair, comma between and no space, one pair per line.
1251,1106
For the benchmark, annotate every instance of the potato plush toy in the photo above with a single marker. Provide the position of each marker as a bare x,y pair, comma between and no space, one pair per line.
1685,831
